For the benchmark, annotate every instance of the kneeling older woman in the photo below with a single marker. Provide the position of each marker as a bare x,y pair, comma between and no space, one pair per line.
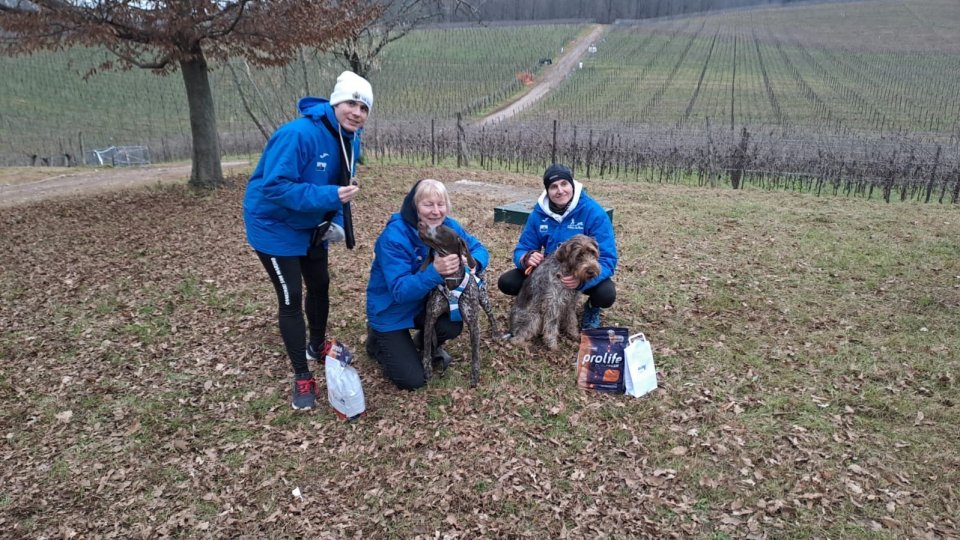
397,290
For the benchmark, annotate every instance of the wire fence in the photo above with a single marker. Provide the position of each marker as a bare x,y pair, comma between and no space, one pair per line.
893,166
904,166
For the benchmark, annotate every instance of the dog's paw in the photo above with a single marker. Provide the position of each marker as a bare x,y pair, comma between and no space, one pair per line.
518,338
517,341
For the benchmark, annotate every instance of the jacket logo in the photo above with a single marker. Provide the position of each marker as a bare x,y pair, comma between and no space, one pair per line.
576,225
323,155
321,166
544,227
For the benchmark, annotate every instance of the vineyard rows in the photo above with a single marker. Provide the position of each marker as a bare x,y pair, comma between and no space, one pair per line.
817,92
688,73
46,107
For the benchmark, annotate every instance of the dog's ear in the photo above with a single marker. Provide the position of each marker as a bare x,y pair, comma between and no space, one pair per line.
471,262
563,252
594,247
427,262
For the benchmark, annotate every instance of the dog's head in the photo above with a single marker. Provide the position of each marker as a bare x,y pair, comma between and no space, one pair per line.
579,257
444,241
441,238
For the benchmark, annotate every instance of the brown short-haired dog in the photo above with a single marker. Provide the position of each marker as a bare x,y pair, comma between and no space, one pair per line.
544,306
473,295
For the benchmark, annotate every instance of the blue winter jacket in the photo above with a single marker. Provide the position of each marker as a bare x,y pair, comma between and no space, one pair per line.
547,230
397,289
296,181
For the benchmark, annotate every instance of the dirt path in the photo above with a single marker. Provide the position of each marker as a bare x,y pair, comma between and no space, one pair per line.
550,79
63,182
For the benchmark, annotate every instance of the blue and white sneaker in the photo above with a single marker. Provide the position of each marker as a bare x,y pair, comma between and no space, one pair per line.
590,318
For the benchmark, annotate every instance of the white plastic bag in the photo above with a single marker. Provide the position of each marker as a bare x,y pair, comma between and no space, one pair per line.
344,389
640,377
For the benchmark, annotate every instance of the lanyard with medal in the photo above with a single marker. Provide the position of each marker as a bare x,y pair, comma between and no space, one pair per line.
347,178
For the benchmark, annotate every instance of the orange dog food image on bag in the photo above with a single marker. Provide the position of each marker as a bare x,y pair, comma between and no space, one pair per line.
611,375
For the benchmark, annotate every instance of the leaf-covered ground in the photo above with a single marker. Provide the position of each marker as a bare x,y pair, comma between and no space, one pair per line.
807,351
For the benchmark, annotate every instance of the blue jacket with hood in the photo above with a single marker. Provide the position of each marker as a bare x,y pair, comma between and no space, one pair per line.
296,181
547,230
397,289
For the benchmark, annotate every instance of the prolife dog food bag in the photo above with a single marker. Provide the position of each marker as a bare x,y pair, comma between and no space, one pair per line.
344,389
600,360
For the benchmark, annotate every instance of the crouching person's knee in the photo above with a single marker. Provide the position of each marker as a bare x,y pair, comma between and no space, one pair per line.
409,380
511,282
406,373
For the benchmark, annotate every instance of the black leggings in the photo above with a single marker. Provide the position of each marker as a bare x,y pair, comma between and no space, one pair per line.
400,356
602,295
288,274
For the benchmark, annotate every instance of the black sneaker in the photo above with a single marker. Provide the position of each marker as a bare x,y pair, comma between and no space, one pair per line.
441,360
316,352
304,392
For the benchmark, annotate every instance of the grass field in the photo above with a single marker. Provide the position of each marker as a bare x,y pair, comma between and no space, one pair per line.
807,351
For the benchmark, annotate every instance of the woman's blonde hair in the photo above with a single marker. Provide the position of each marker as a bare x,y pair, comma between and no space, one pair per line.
429,187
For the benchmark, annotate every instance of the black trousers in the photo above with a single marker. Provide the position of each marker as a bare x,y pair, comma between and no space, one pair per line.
399,355
288,274
602,295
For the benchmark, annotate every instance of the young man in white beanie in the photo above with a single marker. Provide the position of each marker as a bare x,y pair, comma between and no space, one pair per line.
297,202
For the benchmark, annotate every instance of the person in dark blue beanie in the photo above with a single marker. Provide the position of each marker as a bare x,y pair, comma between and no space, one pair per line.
563,210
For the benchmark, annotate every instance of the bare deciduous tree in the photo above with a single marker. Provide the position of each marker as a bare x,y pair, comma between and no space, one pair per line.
360,50
164,36
266,98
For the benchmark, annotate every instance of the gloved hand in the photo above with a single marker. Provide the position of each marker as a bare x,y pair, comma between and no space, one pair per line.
334,234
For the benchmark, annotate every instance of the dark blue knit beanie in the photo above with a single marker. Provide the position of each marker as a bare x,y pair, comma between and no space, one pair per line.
556,172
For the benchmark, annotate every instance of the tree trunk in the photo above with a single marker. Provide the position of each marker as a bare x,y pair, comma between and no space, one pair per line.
207,171
358,63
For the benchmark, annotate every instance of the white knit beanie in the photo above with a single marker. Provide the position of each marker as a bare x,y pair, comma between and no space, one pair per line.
351,86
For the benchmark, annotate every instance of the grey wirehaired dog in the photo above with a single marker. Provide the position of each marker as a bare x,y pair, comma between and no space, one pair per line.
469,291
544,306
